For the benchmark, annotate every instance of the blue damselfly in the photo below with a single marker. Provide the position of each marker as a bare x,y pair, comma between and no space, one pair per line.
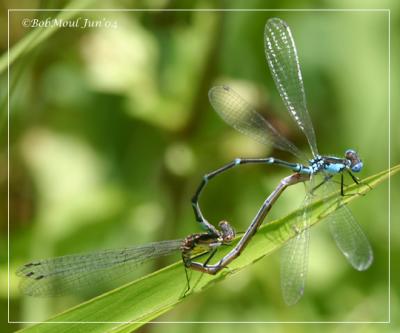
282,59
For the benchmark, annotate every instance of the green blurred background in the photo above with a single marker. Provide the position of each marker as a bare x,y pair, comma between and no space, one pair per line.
111,131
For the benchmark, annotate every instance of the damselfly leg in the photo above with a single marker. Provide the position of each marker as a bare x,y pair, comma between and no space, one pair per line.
197,245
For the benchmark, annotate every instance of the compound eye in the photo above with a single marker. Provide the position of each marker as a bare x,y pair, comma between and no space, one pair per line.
357,167
350,154
228,233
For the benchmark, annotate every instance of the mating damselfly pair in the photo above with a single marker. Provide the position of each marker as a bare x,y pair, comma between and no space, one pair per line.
59,275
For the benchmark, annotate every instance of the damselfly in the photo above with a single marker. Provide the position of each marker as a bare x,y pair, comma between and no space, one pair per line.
284,65
76,272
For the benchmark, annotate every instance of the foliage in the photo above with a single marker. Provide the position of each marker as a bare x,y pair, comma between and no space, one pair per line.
145,299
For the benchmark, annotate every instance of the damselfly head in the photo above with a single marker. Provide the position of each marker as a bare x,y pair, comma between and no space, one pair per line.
227,231
355,163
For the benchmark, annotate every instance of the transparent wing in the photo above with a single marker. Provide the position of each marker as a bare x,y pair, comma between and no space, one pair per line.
239,114
294,258
70,273
349,236
284,64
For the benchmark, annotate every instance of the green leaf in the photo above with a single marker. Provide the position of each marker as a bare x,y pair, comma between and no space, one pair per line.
132,305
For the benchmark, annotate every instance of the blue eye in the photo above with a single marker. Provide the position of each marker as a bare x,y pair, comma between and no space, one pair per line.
357,167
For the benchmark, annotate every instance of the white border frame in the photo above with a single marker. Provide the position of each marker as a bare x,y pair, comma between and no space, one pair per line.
387,10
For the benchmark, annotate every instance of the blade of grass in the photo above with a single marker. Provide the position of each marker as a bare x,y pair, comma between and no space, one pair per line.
39,35
132,305
25,47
